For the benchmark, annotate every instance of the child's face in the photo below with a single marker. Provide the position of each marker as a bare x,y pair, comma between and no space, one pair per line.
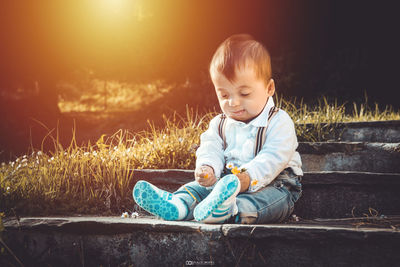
244,98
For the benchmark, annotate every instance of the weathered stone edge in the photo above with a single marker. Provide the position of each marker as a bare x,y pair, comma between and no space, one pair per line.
361,124
112,225
347,147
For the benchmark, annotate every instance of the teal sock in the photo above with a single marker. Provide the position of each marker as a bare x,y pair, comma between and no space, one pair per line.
159,202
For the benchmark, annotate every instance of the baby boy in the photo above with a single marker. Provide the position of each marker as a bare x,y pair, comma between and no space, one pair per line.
247,167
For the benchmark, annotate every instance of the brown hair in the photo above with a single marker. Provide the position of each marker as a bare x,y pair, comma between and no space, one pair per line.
241,50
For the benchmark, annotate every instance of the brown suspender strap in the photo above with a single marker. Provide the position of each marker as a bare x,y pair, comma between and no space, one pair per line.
221,129
262,131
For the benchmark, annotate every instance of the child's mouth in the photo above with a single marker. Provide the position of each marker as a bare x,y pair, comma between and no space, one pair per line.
238,113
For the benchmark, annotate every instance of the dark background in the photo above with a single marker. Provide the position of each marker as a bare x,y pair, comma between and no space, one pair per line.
339,49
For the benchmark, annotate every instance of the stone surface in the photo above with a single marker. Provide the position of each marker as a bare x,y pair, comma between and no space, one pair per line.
347,194
374,131
350,156
151,242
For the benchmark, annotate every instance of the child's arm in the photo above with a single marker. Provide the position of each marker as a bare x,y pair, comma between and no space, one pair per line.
278,150
211,153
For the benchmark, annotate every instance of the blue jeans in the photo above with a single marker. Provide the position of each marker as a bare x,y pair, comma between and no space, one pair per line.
273,203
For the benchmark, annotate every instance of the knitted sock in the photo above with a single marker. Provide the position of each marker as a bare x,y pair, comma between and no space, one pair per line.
159,202
220,204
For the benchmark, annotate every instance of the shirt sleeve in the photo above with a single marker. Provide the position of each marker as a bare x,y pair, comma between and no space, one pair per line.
277,151
211,150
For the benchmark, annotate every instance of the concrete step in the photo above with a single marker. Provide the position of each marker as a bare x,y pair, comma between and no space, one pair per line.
108,241
373,131
350,156
326,194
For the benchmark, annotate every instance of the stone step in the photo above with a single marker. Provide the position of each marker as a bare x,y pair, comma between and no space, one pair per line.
350,156
109,241
372,131
326,194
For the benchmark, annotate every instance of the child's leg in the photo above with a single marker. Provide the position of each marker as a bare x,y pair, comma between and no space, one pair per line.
220,204
273,203
192,194
171,207
159,202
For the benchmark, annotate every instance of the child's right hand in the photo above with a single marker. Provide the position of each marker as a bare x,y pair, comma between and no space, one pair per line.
205,176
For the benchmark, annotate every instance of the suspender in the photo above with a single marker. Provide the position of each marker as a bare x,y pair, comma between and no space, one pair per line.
221,129
261,132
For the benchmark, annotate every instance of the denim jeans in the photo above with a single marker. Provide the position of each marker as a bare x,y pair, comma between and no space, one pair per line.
273,203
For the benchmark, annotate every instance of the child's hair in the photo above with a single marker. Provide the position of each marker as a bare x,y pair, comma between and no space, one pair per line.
241,50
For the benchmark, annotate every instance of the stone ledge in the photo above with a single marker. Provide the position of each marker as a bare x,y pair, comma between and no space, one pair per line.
152,242
114,225
371,131
378,124
346,147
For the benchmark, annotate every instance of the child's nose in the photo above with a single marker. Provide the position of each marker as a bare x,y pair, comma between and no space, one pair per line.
233,101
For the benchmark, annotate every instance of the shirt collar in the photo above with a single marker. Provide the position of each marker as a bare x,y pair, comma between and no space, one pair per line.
262,118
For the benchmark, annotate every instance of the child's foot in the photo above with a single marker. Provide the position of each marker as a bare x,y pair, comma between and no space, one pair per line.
220,204
159,202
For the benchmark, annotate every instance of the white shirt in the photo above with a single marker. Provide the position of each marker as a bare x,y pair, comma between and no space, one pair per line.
278,152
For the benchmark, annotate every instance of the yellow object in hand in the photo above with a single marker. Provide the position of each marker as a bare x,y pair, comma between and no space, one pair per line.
235,170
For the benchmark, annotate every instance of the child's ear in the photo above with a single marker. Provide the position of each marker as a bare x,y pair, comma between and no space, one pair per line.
271,87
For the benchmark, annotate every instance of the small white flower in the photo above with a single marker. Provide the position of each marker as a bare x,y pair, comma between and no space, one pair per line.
39,153
295,217
94,153
180,139
134,215
229,165
24,161
24,157
86,154
8,188
115,148
125,215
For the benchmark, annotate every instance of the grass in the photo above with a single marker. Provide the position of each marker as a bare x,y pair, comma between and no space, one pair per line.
97,178
96,95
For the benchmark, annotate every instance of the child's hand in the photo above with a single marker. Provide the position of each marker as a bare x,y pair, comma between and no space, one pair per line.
205,176
244,179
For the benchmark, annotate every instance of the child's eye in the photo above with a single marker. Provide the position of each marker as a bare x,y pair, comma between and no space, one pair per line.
224,96
245,94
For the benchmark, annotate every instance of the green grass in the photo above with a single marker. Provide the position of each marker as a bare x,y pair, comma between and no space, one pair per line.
97,178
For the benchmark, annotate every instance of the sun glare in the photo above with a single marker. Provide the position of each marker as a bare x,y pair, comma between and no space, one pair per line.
114,6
